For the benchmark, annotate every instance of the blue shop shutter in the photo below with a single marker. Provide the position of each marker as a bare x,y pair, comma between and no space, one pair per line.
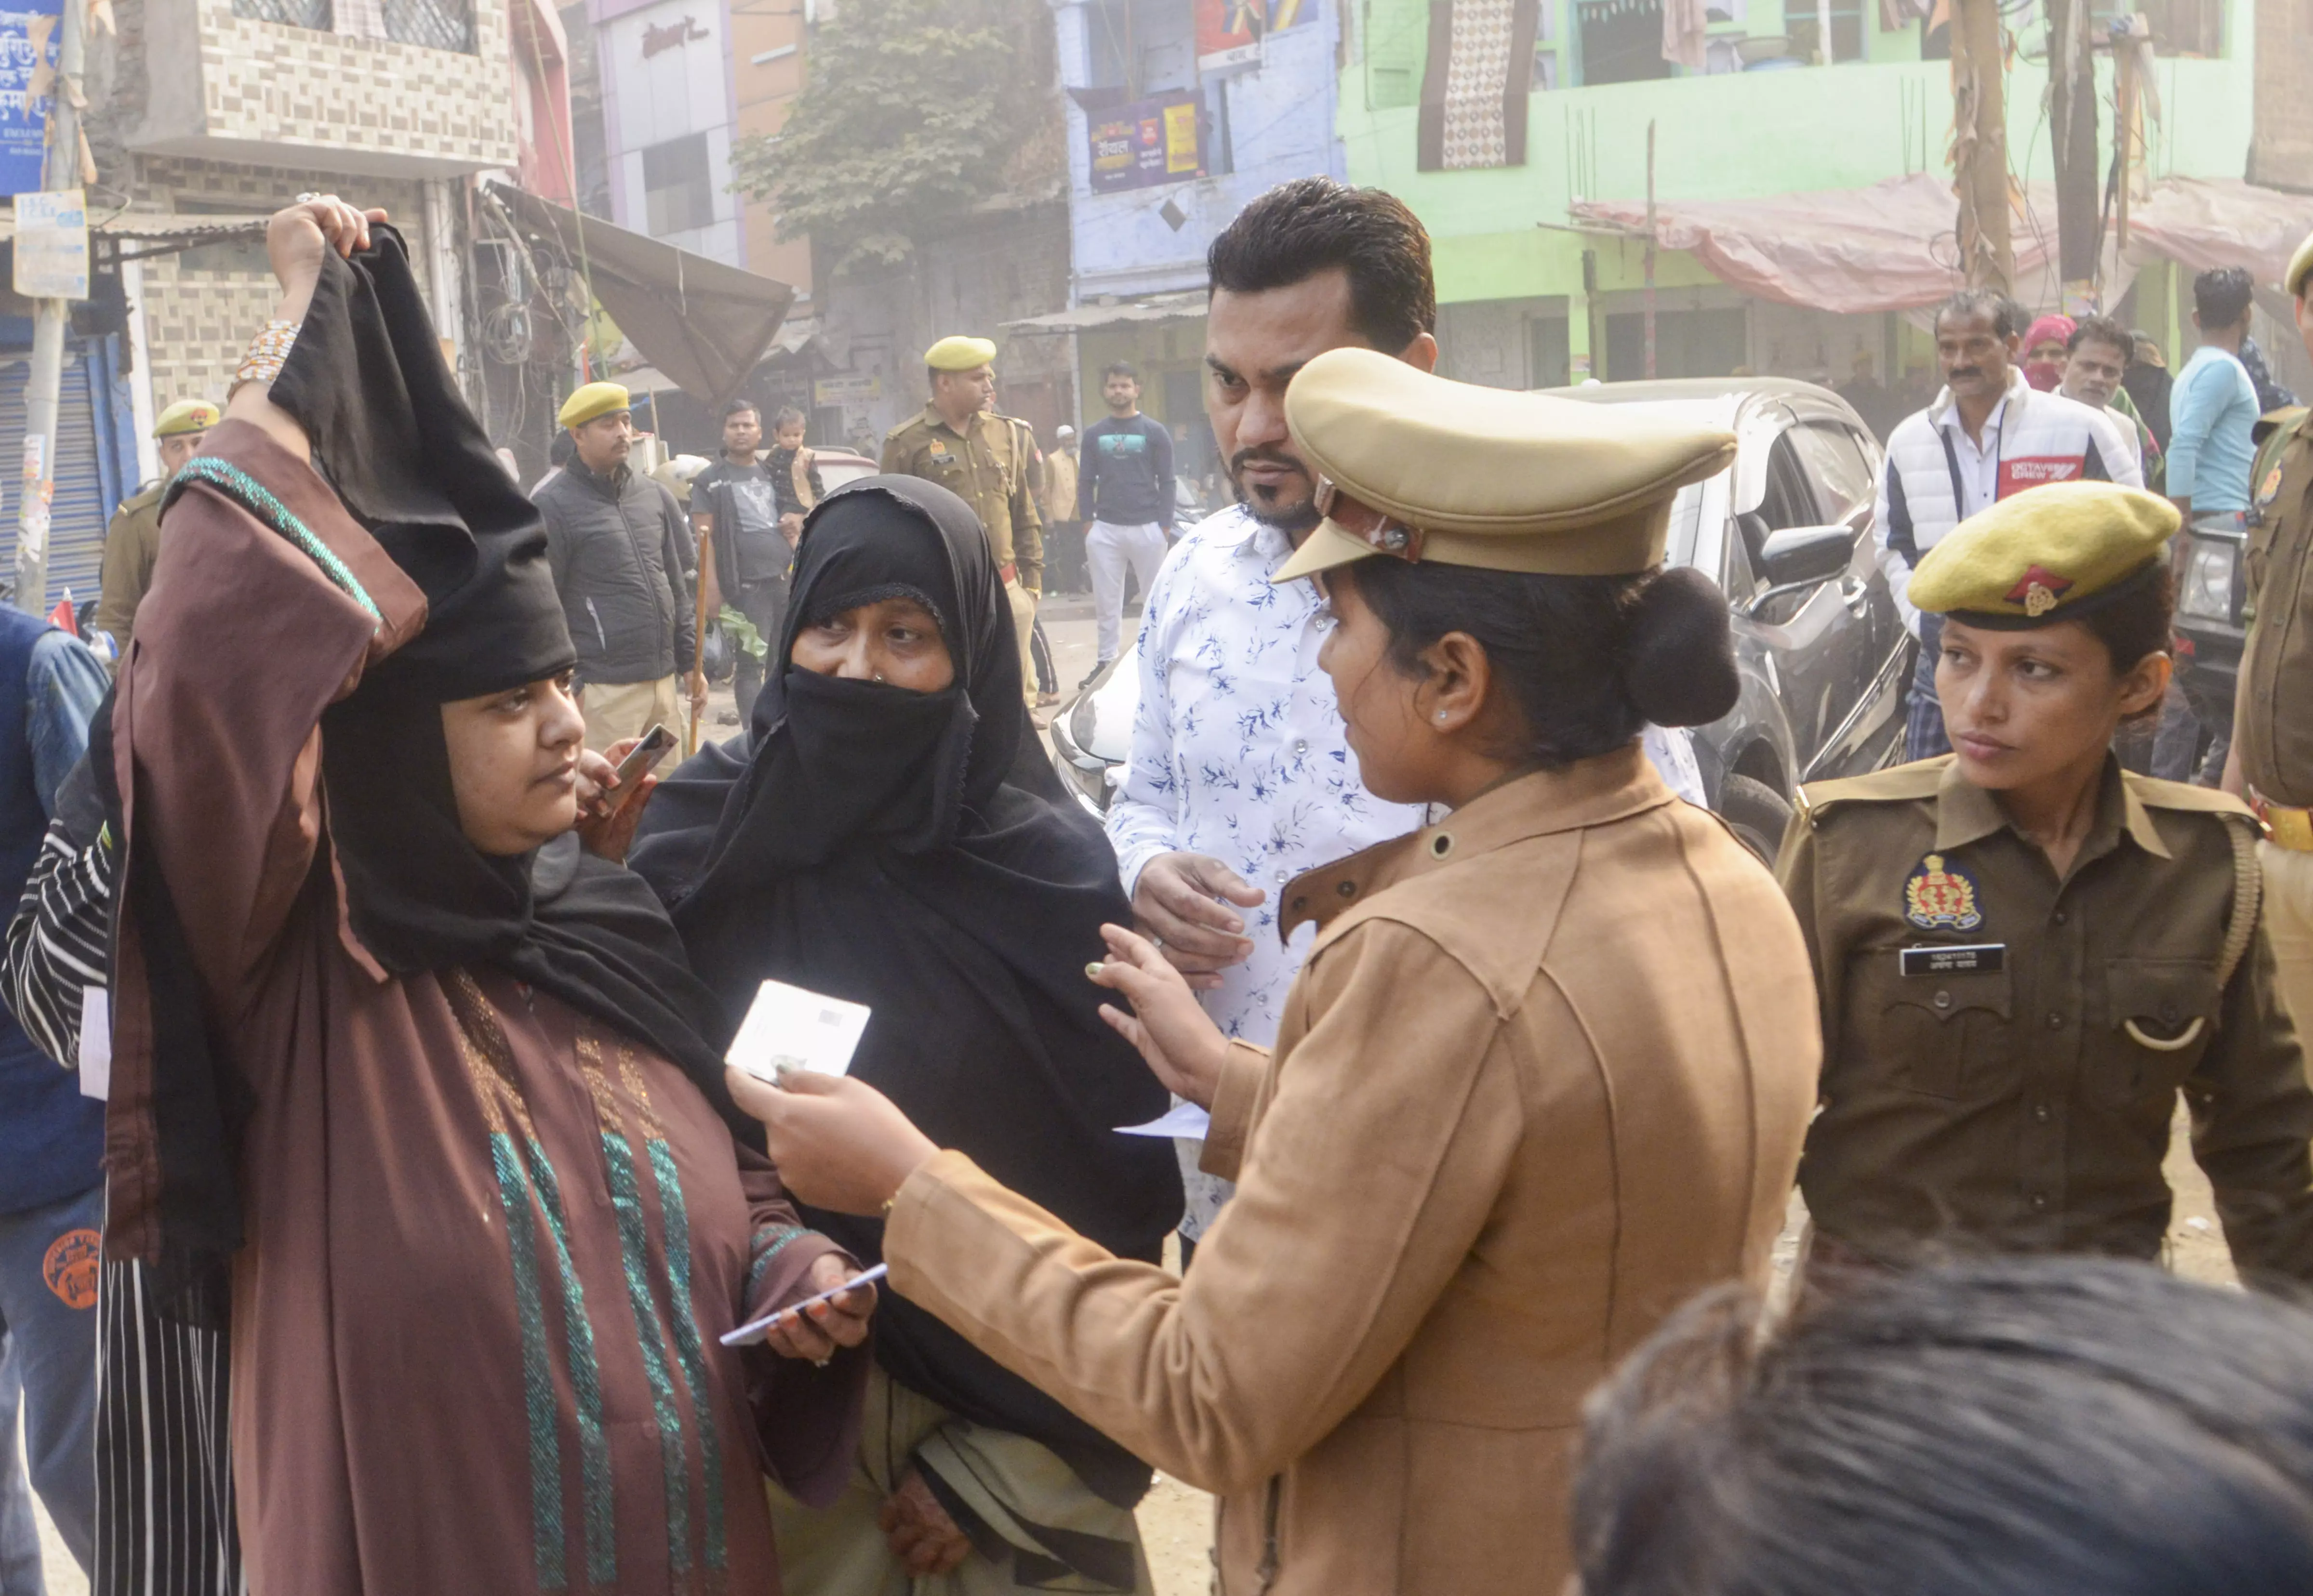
77,514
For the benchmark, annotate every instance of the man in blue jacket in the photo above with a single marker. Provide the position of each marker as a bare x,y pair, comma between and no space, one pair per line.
51,1136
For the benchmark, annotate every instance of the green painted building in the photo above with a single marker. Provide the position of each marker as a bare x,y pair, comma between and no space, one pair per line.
1526,300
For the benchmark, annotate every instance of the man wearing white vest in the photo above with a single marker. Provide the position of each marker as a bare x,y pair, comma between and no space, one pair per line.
1988,435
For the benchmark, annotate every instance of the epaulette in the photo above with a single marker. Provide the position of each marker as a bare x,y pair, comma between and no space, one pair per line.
2155,793
1901,783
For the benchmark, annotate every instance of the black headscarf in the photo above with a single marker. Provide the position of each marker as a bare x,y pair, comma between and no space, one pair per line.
914,852
409,460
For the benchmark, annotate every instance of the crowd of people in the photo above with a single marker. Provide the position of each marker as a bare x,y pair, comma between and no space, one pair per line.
423,1240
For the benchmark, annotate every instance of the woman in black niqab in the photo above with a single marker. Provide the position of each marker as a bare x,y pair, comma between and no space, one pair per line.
915,852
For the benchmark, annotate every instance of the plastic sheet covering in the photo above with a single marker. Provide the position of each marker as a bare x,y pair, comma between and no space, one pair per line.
1891,246
703,323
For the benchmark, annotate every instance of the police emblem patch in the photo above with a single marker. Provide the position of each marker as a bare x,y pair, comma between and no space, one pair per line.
1940,896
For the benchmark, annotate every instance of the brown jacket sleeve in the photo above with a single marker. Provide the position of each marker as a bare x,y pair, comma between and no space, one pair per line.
242,641
2252,1118
1362,1194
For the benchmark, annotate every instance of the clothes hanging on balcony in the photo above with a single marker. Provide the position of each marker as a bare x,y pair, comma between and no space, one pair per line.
1474,93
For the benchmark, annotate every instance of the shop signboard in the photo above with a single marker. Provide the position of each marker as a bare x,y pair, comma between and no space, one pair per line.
847,388
52,253
28,72
1230,31
1144,143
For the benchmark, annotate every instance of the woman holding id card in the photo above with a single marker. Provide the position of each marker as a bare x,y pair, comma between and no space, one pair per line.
890,837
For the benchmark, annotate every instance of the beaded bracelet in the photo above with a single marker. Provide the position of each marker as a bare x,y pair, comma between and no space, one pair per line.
269,351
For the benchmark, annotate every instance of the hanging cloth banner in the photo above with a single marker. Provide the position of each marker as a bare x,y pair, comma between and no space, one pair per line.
1475,89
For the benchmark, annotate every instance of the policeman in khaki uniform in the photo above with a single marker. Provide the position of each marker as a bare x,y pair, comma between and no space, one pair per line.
2272,760
2026,953
133,541
978,456
1508,1125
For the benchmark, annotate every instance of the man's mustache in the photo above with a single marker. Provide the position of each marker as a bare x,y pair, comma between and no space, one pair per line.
1265,454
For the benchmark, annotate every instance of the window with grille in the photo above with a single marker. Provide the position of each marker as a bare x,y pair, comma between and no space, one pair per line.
678,194
294,13
1396,39
2185,27
436,24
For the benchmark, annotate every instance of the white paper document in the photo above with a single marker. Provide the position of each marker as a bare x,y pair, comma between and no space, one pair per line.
787,1028
95,1043
1187,1119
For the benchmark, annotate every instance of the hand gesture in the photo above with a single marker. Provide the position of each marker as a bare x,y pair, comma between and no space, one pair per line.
817,1331
1182,1046
299,235
921,1534
839,1142
607,818
1176,904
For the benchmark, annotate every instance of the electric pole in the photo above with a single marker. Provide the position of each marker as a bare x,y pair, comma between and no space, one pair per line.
1980,145
60,169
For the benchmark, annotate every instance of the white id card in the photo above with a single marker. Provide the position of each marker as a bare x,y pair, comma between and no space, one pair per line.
787,1028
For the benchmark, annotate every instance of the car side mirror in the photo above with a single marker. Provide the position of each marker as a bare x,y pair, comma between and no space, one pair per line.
1797,555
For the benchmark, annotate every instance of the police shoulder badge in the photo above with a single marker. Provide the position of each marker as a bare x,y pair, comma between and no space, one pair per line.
1940,896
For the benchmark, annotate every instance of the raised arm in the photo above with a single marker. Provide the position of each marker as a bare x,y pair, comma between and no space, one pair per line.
267,603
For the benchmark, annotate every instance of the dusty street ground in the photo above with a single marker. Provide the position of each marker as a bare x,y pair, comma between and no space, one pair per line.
1175,1519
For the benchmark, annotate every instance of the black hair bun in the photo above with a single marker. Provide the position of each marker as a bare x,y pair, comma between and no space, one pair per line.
1678,663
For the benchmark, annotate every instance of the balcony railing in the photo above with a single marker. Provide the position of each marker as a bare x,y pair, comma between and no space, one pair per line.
317,15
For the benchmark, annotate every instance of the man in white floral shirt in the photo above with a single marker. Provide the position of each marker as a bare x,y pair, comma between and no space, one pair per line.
1241,775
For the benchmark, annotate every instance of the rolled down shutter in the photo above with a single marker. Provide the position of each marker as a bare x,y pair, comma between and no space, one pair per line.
78,513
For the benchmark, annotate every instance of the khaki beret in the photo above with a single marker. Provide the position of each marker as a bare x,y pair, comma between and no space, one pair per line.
1424,468
2301,267
2053,554
960,354
186,415
594,400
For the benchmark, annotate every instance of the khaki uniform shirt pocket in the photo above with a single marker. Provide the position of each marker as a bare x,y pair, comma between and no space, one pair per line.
1944,1035
2160,1014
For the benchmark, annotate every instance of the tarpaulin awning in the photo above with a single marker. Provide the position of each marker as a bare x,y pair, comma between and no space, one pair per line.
1892,246
701,322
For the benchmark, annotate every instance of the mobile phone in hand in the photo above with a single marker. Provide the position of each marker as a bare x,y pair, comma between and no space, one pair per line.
638,763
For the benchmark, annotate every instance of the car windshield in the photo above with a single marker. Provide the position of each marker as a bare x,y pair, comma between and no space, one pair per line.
1686,525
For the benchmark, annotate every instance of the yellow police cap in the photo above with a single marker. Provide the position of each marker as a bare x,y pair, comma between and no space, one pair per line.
186,415
2053,554
1426,469
2301,267
593,400
957,352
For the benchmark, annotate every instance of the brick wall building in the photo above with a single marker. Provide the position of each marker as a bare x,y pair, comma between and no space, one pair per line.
2281,148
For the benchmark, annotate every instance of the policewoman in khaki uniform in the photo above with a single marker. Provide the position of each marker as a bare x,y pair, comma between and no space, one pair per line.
1545,1075
2272,759
2026,953
978,456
